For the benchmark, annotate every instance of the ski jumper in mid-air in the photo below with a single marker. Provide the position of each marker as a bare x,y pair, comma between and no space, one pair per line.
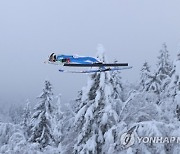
72,59
80,61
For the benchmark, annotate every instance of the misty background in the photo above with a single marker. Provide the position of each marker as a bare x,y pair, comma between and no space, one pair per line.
131,31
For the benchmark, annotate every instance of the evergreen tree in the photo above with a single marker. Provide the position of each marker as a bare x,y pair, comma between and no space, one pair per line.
75,105
153,83
164,68
149,81
58,120
144,74
157,82
26,115
175,86
26,118
41,123
96,114
119,92
118,87
164,65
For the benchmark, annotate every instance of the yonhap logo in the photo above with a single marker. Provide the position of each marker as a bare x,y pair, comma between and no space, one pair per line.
127,139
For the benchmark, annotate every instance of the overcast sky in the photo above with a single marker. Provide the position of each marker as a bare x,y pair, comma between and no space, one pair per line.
131,31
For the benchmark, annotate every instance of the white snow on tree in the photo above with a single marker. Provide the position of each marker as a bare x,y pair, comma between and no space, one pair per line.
120,91
149,84
137,109
151,129
118,86
11,138
149,81
153,83
26,118
27,114
57,121
12,141
164,65
158,81
105,109
96,114
175,86
175,82
164,69
41,123
144,74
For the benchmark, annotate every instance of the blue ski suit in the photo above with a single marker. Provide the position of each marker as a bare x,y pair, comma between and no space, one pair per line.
74,59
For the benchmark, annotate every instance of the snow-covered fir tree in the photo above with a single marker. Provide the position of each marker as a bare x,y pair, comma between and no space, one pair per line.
158,80
153,83
26,114
119,90
118,87
175,86
164,65
96,114
58,121
149,81
69,134
26,118
75,105
164,69
41,122
144,74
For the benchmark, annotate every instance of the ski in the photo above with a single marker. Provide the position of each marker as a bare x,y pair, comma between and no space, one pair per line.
95,71
96,65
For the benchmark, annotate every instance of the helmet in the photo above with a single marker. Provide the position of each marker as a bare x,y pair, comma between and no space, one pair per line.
52,57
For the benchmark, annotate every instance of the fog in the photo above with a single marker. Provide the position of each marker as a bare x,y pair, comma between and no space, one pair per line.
131,31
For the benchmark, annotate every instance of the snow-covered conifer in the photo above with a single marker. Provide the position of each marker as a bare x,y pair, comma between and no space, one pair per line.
26,115
149,81
119,90
58,120
175,85
164,65
153,83
41,123
164,69
26,119
157,82
118,87
144,74
95,115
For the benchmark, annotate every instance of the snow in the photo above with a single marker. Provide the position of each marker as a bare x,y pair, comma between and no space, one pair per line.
104,119
80,113
98,97
91,144
89,113
105,109
177,69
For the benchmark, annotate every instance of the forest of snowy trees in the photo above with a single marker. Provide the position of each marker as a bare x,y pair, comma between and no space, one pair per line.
104,109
